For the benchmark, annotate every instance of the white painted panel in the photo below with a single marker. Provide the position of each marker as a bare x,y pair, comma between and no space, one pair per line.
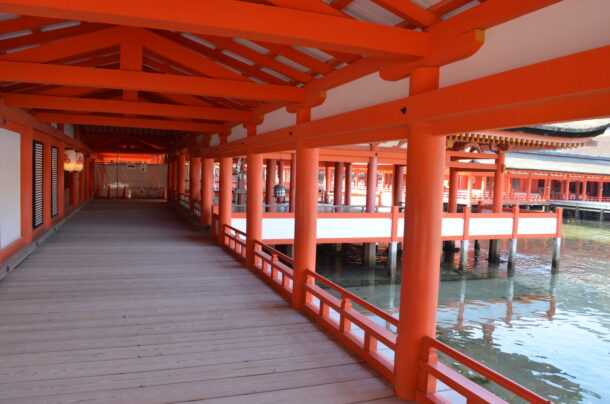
548,33
491,226
350,228
239,224
10,187
238,132
453,226
366,91
537,225
278,229
401,227
276,120
214,140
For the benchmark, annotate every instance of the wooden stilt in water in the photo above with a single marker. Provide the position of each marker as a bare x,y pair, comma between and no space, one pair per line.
512,253
494,251
369,254
556,254
463,255
392,258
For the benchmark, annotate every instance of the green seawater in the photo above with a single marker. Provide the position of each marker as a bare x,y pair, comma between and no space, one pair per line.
548,331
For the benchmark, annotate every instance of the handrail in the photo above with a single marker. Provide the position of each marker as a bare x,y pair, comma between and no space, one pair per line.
451,378
235,241
268,266
358,300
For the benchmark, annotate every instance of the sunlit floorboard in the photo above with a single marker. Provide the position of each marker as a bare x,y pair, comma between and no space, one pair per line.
128,304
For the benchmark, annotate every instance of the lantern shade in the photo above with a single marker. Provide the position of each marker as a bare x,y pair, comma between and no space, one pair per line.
279,191
69,159
80,162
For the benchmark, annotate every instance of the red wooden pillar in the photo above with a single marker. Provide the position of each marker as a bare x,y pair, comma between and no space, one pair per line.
348,183
600,191
327,179
338,190
499,182
293,182
583,190
207,191
27,139
226,196
452,201
181,174
547,188
195,181
254,216
170,177
398,184
371,185
528,184
306,214
81,183
419,288
175,180
280,172
271,168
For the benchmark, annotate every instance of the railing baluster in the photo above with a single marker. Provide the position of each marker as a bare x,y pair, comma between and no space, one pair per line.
345,325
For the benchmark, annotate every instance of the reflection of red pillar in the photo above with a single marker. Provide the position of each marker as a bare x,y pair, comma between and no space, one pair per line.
271,167
207,191
371,185
348,184
306,214
254,217
338,190
419,289
398,184
181,185
226,194
195,181
293,182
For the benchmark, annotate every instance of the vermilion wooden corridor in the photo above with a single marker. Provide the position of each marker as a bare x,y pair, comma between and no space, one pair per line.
127,304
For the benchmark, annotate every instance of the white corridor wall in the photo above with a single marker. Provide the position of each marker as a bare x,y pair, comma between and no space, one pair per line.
10,187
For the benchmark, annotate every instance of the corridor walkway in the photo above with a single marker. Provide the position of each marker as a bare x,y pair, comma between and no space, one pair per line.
128,304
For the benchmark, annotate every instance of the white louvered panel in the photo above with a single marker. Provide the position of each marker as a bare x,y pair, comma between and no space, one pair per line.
54,181
37,185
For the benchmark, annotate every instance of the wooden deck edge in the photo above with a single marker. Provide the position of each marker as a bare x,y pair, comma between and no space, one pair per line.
12,261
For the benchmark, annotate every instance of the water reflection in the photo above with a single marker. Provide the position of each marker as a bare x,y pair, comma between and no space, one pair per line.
549,332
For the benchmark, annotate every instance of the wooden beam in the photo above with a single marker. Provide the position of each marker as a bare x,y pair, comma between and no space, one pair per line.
138,81
566,88
125,107
237,19
127,122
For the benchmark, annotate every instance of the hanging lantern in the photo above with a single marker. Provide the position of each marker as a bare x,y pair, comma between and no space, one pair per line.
69,159
80,162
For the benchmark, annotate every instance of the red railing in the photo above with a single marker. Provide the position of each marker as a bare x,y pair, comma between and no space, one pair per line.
235,241
430,367
273,267
359,332
332,307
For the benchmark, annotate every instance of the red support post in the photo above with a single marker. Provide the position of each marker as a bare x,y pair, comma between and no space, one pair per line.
348,183
398,184
499,182
306,215
421,275
338,190
452,203
254,216
270,182
207,191
371,185
181,189
600,191
226,196
583,191
293,182
280,172
327,179
195,182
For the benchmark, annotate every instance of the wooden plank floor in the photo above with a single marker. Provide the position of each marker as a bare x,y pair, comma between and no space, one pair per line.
128,304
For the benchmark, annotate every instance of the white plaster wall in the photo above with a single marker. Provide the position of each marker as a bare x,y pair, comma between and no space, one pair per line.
452,226
537,225
491,226
350,228
238,132
278,229
10,187
275,120
239,224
